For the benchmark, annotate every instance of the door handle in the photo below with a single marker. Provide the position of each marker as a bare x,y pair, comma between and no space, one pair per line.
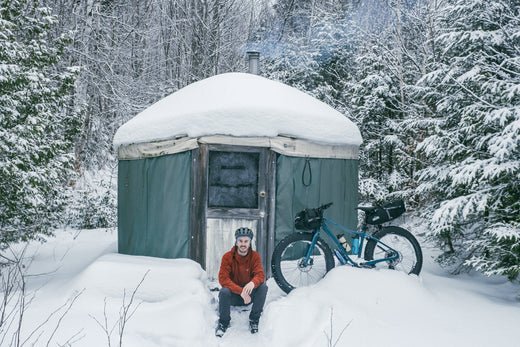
262,194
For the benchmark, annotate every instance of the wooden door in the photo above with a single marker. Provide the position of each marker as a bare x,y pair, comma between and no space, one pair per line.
237,196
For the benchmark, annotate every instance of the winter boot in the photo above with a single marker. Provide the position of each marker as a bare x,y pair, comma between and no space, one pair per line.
253,326
221,329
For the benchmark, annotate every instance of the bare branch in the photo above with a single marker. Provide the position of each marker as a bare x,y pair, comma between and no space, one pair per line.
71,302
125,317
330,337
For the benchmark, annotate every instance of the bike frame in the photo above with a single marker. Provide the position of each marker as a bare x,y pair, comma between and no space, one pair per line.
340,252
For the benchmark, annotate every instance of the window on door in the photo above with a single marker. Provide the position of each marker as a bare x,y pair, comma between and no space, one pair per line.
233,179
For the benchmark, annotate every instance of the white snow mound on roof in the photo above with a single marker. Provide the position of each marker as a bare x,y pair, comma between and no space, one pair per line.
239,104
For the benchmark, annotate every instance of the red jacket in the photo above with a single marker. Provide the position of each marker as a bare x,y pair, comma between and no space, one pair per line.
236,271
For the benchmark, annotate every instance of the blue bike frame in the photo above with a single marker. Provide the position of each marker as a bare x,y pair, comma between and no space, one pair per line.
340,252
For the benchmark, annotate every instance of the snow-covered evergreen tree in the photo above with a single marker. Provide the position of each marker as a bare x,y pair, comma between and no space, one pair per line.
472,179
36,131
374,105
390,59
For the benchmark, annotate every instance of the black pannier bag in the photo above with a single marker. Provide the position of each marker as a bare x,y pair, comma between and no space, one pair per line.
385,213
308,219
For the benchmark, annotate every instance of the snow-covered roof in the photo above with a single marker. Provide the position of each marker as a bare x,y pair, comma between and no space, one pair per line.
241,105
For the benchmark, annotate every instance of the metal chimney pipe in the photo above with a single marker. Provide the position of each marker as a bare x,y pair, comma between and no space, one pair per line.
253,58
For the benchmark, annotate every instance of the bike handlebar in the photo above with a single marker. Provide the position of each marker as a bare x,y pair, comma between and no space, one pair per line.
324,207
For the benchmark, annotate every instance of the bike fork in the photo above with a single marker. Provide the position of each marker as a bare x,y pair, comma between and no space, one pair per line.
308,260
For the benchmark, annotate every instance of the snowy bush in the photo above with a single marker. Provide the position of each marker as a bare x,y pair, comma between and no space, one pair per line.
93,201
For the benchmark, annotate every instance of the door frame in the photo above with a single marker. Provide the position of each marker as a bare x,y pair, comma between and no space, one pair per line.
264,213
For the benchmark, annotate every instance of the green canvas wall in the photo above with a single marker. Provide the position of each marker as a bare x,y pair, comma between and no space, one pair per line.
154,196
154,199
300,185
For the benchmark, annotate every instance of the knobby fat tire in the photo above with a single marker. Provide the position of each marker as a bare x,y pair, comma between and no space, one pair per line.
371,245
282,245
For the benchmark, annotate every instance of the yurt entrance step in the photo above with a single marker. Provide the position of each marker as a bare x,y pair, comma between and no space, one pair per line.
236,197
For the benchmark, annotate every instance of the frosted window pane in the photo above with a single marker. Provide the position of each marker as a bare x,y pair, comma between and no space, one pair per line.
233,179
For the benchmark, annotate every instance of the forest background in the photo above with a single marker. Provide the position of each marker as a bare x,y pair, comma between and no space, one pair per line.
434,86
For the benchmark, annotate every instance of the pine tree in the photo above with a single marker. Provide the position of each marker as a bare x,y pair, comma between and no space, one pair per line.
36,130
473,149
374,105
390,60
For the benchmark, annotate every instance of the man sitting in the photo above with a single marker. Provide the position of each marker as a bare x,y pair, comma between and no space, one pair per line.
242,279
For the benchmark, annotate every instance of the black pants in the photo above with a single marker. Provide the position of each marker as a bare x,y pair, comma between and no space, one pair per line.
226,299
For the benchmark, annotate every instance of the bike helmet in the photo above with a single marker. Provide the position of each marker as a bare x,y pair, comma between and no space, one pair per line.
243,231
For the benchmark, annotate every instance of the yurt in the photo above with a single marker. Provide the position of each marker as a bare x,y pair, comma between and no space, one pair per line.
231,150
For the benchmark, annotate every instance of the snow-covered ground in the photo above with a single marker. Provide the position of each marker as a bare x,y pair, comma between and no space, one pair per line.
173,306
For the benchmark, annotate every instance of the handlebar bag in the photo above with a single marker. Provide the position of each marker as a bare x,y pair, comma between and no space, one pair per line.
308,219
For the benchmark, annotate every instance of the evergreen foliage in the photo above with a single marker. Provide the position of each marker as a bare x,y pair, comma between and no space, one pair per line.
374,103
36,131
471,184
389,58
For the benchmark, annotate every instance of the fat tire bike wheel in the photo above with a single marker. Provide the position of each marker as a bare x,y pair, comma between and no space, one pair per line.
410,255
286,264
